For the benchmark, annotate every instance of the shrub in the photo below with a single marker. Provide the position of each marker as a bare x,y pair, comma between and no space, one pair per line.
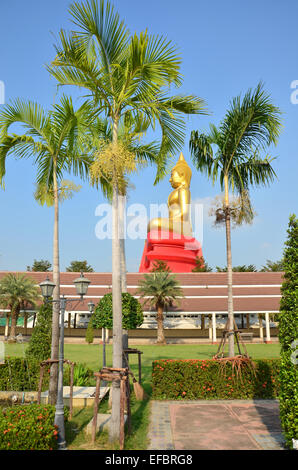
82,376
132,313
89,332
20,374
40,342
28,427
208,379
288,333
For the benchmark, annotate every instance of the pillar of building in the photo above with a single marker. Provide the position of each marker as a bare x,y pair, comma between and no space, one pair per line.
261,327
213,327
267,320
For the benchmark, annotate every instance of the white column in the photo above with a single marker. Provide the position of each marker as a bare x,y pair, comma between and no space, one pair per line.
261,327
210,327
214,327
268,339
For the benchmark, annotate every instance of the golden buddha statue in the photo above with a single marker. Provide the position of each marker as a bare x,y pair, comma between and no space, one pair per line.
179,221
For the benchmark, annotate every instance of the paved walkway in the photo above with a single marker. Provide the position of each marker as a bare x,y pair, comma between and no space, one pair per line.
215,425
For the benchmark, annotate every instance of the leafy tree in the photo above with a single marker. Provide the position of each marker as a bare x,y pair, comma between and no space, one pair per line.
160,266
131,309
201,266
15,291
89,332
160,290
288,332
275,266
238,269
40,342
54,140
40,266
126,77
79,266
232,153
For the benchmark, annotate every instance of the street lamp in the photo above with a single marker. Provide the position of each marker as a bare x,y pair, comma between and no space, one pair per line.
47,288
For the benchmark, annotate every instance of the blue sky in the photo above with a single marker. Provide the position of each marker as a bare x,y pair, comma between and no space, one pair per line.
226,48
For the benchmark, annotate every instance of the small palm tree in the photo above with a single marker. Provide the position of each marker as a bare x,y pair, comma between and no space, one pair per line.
250,126
54,140
15,291
160,290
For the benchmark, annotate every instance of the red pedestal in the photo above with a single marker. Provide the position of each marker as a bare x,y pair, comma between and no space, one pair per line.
178,252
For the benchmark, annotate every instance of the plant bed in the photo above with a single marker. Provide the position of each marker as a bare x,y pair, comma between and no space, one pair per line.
212,379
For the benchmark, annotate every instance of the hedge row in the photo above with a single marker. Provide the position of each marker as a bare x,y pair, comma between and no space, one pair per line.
20,374
209,379
28,427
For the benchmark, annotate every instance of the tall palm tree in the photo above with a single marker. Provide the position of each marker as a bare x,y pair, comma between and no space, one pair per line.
15,291
53,140
125,76
232,153
160,290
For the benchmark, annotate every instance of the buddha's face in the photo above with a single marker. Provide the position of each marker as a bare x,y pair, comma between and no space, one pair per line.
177,179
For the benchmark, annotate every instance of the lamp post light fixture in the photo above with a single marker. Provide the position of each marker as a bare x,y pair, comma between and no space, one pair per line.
47,288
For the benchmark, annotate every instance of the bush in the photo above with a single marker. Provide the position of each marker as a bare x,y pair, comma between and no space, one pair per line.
208,379
21,374
132,313
89,332
82,376
288,333
28,427
40,342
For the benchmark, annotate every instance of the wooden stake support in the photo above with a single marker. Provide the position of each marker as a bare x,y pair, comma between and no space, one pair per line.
43,365
225,334
128,351
120,375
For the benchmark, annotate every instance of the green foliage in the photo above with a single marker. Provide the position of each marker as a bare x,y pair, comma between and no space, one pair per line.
83,376
28,427
201,266
275,266
238,269
160,289
132,313
40,342
79,266
160,266
89,332
42,265
20,374
288,333
207,380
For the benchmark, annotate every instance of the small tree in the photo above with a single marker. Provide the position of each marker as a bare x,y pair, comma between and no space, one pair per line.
41,338
131,310
160,266
288,332
89,332
160,289
42,265
201,266
79,266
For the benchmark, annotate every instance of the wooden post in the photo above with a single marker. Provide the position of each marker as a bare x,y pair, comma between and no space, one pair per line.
71,390
140,367
128,405
96,400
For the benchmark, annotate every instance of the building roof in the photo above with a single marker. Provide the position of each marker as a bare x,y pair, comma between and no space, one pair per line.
204,292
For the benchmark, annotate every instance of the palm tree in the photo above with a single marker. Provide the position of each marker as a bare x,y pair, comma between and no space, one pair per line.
53,139
125,77
15,291
160,290
250,126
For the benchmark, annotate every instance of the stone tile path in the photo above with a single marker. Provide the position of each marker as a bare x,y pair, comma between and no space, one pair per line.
215,425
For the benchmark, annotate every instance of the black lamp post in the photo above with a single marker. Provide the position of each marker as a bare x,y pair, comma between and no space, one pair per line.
47,288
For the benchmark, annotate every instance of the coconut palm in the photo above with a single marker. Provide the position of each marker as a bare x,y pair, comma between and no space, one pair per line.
15,291
53,140
232,152
160,290
125,77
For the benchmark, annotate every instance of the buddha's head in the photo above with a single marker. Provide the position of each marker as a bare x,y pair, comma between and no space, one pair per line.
181,174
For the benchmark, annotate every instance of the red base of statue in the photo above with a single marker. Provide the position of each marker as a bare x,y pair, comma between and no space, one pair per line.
177,251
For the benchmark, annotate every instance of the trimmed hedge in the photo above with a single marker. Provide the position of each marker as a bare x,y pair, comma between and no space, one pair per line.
20,374
28,427
207,380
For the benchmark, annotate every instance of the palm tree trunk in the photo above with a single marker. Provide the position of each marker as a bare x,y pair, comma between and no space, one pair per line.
114,430
13,327
53,385
121,205
229,270
6,331
160,329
